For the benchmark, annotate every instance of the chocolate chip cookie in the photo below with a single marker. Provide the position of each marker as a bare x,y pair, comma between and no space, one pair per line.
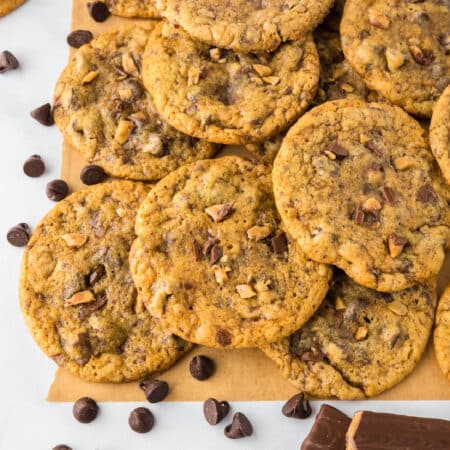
144,9
400,48
227,97
213,262
442,333
77,293
243,25
440,133
103,110
357,186
360,342
266,151
6,6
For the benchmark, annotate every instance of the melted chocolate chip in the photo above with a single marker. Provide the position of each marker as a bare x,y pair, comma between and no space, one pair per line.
426,194
279,243
224,337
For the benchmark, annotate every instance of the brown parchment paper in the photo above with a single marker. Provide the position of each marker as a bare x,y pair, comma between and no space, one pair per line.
241,374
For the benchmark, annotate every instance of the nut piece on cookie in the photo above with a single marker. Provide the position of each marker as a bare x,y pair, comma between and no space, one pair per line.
80,298
219,212
74,240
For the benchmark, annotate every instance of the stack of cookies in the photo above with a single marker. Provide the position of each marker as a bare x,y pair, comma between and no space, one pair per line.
317,239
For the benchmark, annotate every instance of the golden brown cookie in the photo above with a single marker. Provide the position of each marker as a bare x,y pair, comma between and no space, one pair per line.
442,333
103,110
245,26
6,6
357,186
400,48
77,293
360,342
227,97
144,9
212,260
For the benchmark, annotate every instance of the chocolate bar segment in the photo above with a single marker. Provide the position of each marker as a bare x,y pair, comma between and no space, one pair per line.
380,431
328,431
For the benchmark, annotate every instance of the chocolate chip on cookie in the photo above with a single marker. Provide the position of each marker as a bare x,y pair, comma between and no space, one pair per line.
85,410
8,61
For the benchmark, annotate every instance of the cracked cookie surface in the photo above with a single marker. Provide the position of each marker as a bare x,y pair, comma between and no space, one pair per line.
227,97
440,133
401,49
442,333
6,6
359,343
245,26
357,186
213,262
77,293
103,110
144,9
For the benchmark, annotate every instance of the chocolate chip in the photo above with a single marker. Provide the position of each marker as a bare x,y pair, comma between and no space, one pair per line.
96,275
359,215
239,428
388,194
339,151
201,367
208,245
86,310
196,248
224,337
19,235
155,390
444,40
62,447
216,254
215,411
34,166
92,174
79,37
8,61
374,149
44,115
312,356
85,410
426,194
98,11
141,420
424,57
297,407
279,243
57,190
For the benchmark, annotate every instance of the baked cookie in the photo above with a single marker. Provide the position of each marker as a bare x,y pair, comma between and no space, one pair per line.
442,333
144,9
103,110
357,186
213,262
360,342
6,6
245,26
77,293
400,48
227,97
440,133
266,151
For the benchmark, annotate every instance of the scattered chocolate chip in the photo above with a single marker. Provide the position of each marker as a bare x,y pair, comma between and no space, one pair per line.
223,337
359,215
57,190
79,37
196,248
19,235
201,367
141,420
239,428
85,410
43,115
86,310
215,411
297,407
154,390
216,254
62,447
279,243
312,356
8,61
34,166
92,174
98,11
98,273
339,151
426,194
388,194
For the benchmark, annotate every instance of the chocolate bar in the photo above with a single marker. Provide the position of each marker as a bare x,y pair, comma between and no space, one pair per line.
379,431
328,431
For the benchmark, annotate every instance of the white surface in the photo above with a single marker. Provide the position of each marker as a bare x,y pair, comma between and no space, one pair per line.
36,33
